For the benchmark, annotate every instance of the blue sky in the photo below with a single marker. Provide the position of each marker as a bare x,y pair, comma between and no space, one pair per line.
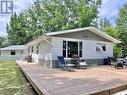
109,9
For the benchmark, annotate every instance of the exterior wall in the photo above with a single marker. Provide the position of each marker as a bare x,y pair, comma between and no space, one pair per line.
48,53
44,53
44,47
89,50
56,50
6,55
83,35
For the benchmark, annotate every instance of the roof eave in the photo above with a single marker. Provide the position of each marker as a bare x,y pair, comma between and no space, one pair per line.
104,35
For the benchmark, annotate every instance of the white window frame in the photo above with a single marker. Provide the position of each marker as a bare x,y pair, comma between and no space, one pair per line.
67,47
101,45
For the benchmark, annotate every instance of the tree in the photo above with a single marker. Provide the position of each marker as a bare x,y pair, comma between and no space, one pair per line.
103,23
17,30
106,26
121,26
3,42
112,31
51,15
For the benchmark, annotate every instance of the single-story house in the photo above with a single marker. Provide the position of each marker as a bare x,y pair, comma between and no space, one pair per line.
14,52
89,43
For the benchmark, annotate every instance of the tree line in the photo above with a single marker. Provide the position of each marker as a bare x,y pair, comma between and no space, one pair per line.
56,15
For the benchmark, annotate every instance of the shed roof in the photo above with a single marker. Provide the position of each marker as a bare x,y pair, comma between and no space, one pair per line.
14,47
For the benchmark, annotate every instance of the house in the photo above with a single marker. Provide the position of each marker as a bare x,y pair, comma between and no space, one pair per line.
13,52
89,43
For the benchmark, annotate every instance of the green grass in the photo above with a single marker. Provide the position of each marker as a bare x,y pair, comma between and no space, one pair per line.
12,81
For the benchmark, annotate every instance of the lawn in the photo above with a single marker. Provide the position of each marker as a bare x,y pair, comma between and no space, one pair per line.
12,81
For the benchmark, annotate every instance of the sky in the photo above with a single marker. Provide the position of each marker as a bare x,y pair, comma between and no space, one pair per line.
109,9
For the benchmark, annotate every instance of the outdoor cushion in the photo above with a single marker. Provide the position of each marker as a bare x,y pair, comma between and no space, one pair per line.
70,65
83,63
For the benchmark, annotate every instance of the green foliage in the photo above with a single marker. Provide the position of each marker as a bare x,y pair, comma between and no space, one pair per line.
51,15
117,51
16,29
103,23
112,31
3,42
121,26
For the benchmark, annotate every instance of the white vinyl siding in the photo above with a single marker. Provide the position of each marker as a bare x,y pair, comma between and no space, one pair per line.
44,51
57,48
89,50
43,47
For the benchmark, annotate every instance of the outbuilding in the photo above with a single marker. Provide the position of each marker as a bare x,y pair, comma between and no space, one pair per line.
14,52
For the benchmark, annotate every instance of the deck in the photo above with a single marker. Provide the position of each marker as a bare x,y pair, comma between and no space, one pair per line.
100,80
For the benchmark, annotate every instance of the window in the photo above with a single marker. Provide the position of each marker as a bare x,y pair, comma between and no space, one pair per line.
104,47
71,48
101,47
80,49
28,50
38,48
12,52
64,48
21,52
32,49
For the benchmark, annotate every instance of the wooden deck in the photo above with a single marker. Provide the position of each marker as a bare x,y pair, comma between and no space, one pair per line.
101,80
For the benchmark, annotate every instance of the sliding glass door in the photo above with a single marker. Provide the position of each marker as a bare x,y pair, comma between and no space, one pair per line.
71,48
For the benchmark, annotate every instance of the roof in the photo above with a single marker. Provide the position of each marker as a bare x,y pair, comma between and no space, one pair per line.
92,29
14,47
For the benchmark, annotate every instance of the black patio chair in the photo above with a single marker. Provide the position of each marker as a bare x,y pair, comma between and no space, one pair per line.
79,62
120,64
65,66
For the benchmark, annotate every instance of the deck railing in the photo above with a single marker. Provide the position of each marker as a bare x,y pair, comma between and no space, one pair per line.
45,58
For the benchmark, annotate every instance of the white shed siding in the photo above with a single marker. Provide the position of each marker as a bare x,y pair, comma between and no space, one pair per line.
89,50
6,55
57,48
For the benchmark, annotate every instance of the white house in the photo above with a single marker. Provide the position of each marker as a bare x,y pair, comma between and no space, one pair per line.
89,43
13,52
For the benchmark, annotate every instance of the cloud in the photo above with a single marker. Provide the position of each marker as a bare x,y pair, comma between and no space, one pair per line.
3,33
110,8
18,6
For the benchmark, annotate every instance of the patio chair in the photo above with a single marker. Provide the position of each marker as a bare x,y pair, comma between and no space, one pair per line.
113,61
65,66
78,62
120,64
125,61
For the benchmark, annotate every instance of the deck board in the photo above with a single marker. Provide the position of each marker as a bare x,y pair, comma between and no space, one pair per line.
103,79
